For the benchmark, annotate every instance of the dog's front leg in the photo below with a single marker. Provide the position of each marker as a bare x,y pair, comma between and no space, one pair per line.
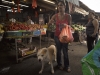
52,70
40,72
55,57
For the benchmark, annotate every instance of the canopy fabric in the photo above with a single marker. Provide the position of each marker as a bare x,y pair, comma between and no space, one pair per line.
80,10
76,2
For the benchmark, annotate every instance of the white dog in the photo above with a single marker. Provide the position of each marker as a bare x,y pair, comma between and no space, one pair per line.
46,54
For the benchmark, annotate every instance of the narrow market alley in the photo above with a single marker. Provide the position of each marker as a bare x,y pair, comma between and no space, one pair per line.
31,66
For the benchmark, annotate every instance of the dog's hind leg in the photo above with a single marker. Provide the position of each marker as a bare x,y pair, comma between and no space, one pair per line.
40,72
55,56
52,70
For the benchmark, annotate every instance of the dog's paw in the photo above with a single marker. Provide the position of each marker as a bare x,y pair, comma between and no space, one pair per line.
55,59
40,72
52,71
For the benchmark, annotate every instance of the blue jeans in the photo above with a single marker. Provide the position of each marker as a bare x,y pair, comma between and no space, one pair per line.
62,47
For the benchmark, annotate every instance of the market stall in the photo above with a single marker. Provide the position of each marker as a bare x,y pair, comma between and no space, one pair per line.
19,32
40,13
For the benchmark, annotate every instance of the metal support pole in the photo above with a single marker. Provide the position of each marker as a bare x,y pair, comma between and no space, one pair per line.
40,41
48,38
16,50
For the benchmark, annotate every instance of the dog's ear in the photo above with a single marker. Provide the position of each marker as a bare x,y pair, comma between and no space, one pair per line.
45,50
37,50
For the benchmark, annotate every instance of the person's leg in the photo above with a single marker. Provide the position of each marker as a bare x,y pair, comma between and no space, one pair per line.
96,40
90,43
66,59
65,52
58,46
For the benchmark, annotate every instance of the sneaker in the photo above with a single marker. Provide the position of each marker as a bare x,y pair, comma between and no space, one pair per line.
67,69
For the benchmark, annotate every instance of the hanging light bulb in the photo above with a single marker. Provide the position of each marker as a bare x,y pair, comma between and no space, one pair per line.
56,8
25,0
40,9
13,2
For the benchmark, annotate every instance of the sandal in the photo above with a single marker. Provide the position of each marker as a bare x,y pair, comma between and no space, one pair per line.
59,67
67,69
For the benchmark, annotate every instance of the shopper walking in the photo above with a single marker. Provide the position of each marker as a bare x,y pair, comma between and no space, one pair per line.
91,30
61,19
96,40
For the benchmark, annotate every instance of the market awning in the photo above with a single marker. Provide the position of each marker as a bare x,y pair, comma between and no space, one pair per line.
81,11
76,2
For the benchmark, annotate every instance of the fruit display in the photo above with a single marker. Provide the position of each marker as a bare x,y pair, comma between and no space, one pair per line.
33,27
16,26
1,29
21,26
45,26
78,27
51,27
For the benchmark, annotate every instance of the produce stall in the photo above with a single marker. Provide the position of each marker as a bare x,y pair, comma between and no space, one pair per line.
1,32
79,33
19,31
25,52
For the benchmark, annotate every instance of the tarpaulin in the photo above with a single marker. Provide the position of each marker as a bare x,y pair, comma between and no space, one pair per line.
91,61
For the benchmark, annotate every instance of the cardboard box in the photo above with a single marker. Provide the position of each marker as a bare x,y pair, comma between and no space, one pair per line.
26,51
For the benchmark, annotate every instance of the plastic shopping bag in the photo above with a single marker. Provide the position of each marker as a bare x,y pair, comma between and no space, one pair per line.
91,62
66,35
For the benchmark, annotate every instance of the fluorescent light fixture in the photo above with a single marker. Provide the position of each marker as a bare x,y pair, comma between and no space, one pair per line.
16,8
50,1
4,1
23,5
5,6
14,3
10,10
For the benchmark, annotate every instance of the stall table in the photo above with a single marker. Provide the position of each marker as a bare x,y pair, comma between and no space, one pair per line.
21,37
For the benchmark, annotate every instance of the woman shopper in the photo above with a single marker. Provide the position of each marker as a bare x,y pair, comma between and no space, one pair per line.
96,40
61,19
91,30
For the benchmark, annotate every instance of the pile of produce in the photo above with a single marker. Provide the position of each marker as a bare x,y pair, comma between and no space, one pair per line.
21,26
51,27
1,29
16,26
78,27
35,27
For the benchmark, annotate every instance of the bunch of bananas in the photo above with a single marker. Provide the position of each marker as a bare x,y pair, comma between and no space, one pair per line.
1,29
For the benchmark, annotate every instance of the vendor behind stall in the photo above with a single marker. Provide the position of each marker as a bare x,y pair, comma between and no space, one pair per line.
12,20
29,21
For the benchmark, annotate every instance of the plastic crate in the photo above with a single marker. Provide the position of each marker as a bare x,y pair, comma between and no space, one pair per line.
27,33
36,32
13,33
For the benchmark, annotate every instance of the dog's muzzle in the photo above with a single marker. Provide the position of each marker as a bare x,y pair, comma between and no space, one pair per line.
39,60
